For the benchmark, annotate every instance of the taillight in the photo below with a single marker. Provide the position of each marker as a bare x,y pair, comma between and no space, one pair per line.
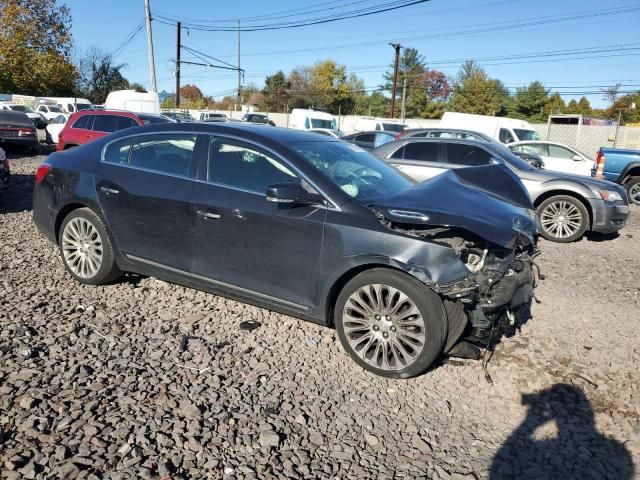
24,132
400,135
42,172
600,164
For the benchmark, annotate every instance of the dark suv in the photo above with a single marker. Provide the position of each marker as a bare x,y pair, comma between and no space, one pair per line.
87,125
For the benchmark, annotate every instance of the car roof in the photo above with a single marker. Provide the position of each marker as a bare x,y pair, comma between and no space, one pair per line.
15,118
388,132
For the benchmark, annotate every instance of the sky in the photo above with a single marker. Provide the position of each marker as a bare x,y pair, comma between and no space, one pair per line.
575,47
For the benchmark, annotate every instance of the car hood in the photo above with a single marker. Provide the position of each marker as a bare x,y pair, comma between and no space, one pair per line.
488,201
544,176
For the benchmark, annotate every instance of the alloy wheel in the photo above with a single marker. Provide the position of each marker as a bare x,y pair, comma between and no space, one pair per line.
384,327
561,219
634,193
82,247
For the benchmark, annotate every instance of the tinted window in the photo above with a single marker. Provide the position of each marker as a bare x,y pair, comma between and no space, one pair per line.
393,127
427,152
84,122
42,108
118,152
105,123
125,122
560,152
167,153
398,153
240,165
467,155
506,137
367,137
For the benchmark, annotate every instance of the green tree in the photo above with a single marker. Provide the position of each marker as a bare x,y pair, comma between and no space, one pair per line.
377,105
572,106
555,104
275,92
475,92
99,75
35,46
328,86
529,102
584,107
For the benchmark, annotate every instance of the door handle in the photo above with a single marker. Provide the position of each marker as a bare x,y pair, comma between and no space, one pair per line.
110,191
208,215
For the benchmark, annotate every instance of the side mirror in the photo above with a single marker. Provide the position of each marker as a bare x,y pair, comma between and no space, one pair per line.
292,194
576,158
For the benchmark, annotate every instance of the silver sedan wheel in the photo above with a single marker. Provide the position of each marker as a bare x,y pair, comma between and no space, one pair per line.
561,219
82,247
384,327
634,193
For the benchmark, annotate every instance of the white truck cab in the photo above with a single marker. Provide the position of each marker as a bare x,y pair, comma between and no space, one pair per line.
68,104
366,124
304,119
502,129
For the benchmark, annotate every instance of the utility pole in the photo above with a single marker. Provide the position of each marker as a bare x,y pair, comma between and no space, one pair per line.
178,25
397,47
404,96
152,66
239,70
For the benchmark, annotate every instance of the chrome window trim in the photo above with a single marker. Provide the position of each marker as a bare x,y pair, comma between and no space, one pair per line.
334,205
217,282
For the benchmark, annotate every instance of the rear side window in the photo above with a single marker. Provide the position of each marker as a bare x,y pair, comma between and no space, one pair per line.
467,155
84,122
105,123
118,152
367,137
165,153
533,149
426,152
560,152
125,122
398,153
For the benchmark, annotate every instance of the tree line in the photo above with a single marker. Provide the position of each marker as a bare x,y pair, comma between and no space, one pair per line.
36,59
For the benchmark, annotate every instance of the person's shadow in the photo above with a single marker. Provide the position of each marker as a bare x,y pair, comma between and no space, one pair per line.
570,449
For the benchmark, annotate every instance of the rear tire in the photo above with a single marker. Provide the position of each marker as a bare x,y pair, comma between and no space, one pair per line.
633,189
390,323
563,219
85,248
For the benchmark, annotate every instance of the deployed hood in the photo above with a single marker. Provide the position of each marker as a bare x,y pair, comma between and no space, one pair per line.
488,201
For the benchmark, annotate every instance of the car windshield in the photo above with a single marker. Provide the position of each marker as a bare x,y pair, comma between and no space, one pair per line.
22,108
510,158
147,119
526,134
394,127
319,123
55,109
357,172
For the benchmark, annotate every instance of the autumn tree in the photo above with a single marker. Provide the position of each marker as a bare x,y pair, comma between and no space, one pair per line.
35,46
99,75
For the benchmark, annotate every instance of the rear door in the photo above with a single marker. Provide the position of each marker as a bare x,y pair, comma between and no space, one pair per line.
420,160
144,184
245,243
460,155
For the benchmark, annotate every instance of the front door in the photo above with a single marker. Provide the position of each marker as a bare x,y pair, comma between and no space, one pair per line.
244,242
144,185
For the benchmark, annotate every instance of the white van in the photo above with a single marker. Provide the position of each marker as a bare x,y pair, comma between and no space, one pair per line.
505,130
304,119
68,104
369,123
132,101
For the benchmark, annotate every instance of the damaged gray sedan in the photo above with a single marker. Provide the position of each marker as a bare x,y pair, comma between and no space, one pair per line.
314,228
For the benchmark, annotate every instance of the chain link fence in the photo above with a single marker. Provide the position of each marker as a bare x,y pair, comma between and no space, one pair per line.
589,138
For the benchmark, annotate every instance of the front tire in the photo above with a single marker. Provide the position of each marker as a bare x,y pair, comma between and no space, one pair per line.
86,249
633,189
563,219
390,323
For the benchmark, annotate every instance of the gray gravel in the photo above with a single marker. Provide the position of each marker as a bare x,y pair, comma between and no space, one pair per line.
146,379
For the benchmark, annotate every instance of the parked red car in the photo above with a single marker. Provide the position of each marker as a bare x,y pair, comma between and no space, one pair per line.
87,125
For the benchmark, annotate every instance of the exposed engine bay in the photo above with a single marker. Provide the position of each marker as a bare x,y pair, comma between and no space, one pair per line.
499,284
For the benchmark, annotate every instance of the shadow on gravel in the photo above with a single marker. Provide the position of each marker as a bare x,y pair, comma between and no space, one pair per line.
570,449
601,237
18,196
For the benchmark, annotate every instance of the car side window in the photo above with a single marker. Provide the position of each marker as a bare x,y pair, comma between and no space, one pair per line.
532,149
505,136
42,108
398,153
105,123
83,122
242,166
560,152
165,153
118,152
426,152
467,155
125,122
60,120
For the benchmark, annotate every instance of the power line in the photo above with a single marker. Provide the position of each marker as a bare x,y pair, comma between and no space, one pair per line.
286,25
129,38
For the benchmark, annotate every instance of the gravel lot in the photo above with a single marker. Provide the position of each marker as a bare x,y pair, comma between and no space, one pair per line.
93,383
